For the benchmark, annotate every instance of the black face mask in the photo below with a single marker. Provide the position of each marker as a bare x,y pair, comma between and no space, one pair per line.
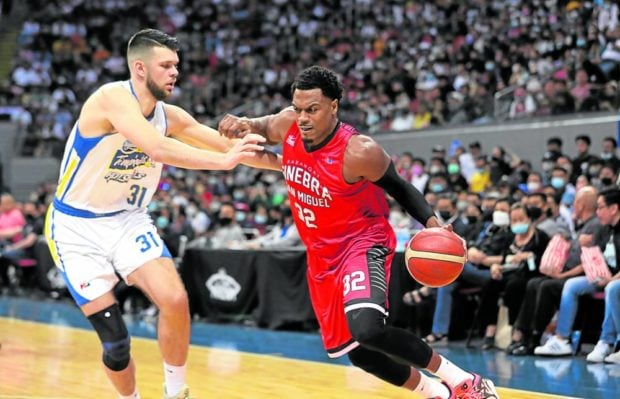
606,181
472,219
535,212
225,221
445,215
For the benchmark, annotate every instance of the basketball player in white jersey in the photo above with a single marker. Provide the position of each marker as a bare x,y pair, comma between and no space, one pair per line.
98,224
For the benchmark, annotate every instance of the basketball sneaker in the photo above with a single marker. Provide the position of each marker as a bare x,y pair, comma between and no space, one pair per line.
183,394
476,388
452,394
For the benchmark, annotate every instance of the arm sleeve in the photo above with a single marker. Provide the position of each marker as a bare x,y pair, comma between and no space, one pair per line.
405,194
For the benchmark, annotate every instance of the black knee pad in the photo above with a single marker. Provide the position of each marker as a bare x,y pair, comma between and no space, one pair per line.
380,365
111,329
367,325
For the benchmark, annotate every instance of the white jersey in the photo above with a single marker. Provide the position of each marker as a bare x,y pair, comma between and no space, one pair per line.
105,175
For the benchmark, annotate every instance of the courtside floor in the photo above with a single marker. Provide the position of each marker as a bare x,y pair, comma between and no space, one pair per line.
49,351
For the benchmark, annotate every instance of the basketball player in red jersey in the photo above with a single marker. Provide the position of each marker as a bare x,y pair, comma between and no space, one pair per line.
336,180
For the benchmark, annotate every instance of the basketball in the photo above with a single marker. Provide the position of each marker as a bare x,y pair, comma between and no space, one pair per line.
435,256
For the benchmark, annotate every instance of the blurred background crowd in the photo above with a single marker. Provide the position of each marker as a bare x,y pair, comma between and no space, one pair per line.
405,65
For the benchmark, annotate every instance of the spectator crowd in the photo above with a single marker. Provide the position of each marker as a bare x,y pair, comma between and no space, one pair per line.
405,65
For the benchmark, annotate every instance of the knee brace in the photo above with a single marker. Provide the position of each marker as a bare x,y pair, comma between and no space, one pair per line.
367,326
111,329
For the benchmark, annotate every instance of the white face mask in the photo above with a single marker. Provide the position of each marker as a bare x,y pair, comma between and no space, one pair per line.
533,186
501,218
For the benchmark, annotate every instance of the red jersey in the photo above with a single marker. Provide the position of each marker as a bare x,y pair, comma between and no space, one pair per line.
329,212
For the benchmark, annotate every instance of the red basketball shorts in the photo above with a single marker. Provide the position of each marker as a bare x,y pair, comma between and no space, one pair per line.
360,280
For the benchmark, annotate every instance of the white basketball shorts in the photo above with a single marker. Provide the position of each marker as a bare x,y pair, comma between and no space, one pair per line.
90,251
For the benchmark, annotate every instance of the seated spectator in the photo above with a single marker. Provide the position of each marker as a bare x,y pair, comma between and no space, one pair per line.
284,235
609,154
448,214
607,348
227,232
573,289
511,271
541,216
22,249
584,158
11,220
481,255
455,178
481,178
607,177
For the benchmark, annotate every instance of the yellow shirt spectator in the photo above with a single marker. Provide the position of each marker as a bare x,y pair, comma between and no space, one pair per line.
480,181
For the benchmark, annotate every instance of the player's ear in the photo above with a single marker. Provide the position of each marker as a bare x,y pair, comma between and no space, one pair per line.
334,106
139,68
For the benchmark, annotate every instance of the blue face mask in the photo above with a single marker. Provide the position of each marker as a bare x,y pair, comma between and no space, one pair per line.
260,219
162,222
436,188
557,182
520,228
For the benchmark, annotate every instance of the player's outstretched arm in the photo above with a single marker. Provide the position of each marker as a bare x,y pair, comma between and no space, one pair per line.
123,112
184,127
366,159
272,127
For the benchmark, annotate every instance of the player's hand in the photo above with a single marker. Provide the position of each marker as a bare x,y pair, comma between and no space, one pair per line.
243,150
232,126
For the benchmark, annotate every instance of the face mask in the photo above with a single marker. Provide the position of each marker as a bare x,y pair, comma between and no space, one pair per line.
436,169
240,216
260,219
557,182
237,195
214,206
547,166
606,181
445,215
437,187
606,156
417,170
462,205
472,219
535,212
162,222
453,169
152,207
191,211
593,171
225,221
533,186
501,218
520,228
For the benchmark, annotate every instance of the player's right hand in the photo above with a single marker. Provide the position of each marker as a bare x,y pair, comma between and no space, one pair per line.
232,126
244,149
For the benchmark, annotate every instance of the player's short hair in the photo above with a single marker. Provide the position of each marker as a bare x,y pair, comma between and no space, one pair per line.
317,77
149,38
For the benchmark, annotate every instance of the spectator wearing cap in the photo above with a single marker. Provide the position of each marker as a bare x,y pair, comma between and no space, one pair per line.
481,178
609,153
583,158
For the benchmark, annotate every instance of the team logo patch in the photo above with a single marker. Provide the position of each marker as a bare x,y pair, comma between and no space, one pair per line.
129,157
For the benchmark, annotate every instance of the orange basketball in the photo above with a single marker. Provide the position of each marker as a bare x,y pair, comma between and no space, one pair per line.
435,256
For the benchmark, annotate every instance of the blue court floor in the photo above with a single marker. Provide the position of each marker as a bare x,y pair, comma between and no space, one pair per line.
569,376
